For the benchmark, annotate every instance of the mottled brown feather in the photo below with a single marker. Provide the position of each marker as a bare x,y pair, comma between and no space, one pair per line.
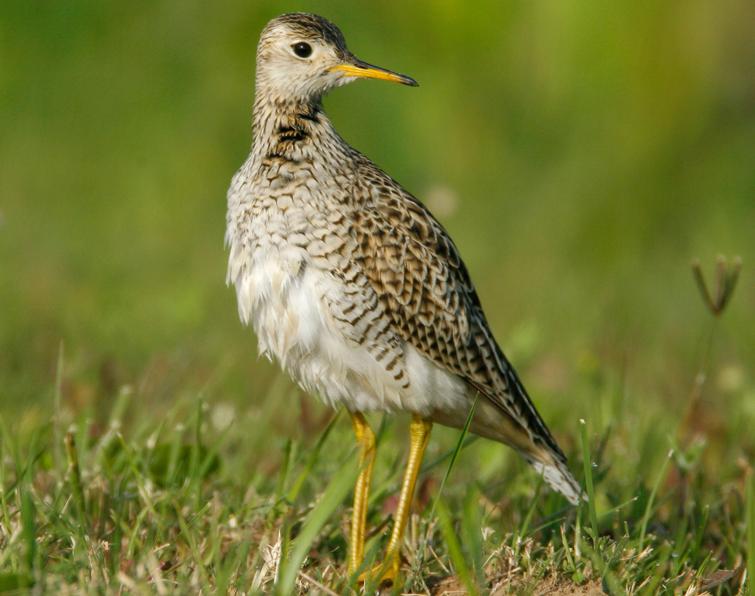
424,287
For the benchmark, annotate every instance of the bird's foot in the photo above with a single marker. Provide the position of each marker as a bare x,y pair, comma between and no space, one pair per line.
384,574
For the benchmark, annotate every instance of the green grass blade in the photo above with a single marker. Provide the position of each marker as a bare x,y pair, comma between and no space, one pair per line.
469,440
454,548
609,578
74,476
751,535
293,492
29,528
455,454
471,530
57,438
589,480
651,499
333,496
278,503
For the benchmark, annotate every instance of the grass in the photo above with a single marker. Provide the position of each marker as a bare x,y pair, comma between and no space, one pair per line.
579,155
166,506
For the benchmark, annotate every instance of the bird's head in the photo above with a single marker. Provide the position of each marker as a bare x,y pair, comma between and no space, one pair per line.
301,56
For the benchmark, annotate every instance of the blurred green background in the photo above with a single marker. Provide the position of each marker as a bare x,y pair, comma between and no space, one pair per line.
579,152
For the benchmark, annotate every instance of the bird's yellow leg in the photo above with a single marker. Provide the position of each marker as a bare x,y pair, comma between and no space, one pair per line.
419,434
366,439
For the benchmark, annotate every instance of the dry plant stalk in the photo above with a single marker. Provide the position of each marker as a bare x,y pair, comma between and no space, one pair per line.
727,275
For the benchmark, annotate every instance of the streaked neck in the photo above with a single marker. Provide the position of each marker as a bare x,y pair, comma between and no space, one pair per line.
294,130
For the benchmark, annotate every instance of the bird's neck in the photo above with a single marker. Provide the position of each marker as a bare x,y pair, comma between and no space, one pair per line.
289,129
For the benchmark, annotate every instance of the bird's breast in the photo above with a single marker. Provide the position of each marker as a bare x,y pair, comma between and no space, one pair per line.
286,241
294,264
278,297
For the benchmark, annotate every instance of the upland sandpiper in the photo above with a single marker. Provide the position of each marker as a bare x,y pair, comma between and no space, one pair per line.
354,287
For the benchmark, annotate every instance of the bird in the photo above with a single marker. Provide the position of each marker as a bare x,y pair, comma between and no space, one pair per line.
354,287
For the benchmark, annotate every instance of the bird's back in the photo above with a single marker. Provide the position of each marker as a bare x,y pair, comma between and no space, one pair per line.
425,289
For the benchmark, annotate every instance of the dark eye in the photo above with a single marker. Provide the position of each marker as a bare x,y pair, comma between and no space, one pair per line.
302,49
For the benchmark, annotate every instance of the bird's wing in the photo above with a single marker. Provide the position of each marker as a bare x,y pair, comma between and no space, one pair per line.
417,272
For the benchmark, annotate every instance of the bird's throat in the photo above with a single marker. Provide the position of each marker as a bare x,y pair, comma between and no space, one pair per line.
282,128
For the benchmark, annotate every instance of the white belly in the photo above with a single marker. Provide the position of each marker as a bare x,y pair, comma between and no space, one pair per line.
286,301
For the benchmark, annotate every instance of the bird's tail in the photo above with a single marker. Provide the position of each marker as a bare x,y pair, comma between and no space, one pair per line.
545,456
558,476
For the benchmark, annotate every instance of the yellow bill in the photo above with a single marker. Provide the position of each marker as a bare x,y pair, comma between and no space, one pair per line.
368,71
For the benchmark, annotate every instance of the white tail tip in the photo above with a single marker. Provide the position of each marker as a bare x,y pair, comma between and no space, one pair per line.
560,479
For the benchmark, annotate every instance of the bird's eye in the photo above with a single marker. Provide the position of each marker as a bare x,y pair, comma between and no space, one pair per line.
302,49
